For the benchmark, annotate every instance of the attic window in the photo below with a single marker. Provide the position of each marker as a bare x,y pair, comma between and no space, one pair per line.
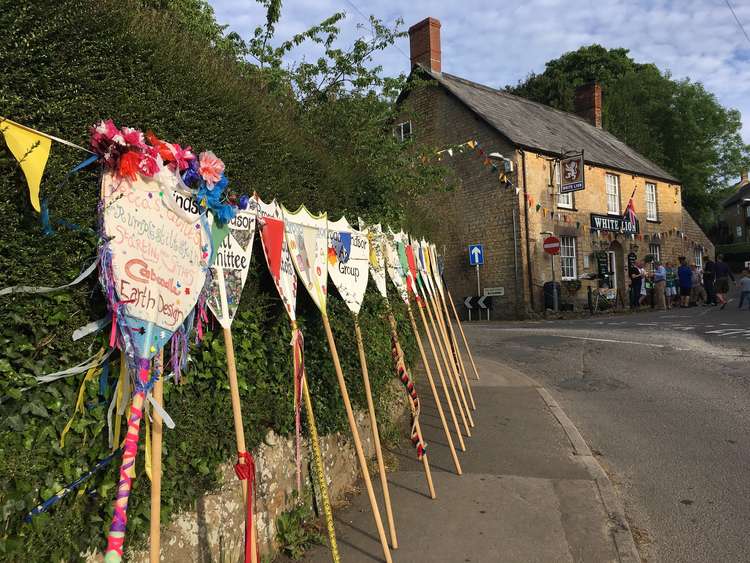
402,131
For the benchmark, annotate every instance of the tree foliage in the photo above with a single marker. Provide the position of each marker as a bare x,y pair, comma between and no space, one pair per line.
676,123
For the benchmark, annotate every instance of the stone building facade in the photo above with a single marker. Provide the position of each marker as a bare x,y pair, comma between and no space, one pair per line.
504,158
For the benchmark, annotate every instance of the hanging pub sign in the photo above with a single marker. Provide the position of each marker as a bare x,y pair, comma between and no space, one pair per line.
614,223
571,174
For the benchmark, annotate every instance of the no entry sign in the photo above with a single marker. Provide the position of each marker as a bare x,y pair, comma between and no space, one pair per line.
552,245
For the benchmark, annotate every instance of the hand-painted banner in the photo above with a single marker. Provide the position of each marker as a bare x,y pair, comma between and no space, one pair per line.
424,260
377,256
435,270
158,257
231,262
278,258
348,259
307,240
393,265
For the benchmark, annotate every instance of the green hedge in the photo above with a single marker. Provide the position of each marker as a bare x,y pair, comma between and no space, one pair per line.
63,65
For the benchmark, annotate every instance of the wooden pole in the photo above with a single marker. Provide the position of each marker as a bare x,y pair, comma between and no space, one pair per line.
459,357
434,390
239,430
437,307
400,352
463,334
357,441
156,442
446,363
440,374
318,460
375,433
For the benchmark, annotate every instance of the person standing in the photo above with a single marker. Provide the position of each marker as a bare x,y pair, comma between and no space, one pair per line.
744,284
685,276
636,280
698,292
660,286
671,284
723,274
709,277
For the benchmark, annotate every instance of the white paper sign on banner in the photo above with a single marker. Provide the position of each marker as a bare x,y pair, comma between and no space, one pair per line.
278,258
158,255
307,240
393,264
230,266
348,262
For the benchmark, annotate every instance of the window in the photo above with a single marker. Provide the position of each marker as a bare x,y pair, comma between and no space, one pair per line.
747,211
402,131
655,251
698,258
739,231
651,213
563,200
568,257
613,193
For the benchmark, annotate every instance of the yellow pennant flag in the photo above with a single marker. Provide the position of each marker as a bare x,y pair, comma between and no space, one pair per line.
31,150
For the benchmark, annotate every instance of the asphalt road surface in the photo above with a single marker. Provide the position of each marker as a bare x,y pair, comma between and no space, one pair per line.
663,398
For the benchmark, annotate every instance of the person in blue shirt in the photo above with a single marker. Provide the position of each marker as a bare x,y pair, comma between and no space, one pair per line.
685,276
660,286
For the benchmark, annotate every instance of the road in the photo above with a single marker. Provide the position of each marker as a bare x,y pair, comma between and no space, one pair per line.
663,400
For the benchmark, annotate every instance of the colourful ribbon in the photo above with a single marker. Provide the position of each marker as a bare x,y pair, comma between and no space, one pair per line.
82,393
298,355
245,470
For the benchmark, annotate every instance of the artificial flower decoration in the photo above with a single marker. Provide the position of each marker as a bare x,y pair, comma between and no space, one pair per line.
129,165
124,150
210,168
172,154
244,201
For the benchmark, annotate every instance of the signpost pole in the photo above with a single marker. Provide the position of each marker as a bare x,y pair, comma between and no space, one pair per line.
554,287
479,287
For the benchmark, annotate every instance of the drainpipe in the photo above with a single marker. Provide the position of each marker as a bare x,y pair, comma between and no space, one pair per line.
526,221
518,292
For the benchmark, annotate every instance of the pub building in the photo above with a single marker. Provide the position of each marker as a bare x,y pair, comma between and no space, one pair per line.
516,166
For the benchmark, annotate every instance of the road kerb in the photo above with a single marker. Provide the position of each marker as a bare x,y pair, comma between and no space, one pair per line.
621,533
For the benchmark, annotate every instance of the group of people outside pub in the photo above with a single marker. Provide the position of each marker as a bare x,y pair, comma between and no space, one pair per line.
666,285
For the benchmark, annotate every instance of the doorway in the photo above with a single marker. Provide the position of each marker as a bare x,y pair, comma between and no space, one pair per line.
616,264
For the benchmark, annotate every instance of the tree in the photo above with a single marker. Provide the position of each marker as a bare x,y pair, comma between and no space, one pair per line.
676,123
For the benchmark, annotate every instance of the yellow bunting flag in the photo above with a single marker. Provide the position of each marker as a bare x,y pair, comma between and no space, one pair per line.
31,150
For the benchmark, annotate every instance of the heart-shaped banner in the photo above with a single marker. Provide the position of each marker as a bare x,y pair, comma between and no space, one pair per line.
348,259
307,240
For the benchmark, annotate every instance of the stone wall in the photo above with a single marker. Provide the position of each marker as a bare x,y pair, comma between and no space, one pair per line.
214,531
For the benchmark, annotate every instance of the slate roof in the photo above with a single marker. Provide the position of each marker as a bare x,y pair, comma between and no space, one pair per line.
741,192
532,125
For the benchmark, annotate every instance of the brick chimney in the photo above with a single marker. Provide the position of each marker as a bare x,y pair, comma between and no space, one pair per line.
424,44
743,177
588,103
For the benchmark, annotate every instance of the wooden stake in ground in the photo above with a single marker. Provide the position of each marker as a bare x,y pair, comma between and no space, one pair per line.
307,241
446,363
375,434
433,388
463,334
156,442
446,318
357,442
349,252
400,360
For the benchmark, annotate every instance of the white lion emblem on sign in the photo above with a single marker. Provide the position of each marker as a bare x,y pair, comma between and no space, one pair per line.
571,170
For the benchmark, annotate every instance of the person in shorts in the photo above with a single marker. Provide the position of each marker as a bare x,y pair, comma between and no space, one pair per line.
721,285
671,288
685,278
698,292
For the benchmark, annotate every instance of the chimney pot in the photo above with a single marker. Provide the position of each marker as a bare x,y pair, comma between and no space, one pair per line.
424,44
588,103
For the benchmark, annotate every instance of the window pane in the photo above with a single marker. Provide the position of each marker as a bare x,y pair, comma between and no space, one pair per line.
568,257
612,183
651,213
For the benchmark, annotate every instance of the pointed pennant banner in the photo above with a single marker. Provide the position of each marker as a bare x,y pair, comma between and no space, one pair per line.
278,258
377,256
394,265
157,257
31,150
348,259
307,240
231,262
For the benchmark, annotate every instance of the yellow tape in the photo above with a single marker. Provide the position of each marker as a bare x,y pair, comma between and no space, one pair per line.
82,394
120,390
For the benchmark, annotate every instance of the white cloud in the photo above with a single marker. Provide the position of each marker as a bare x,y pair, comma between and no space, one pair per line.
500,43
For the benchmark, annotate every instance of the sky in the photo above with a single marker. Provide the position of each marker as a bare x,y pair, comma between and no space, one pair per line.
500,43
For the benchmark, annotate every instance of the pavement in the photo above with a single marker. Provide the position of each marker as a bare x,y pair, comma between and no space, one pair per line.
530,491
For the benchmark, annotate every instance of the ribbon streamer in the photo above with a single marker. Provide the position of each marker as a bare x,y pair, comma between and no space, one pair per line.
92,362
298,355
169,423
82,393
30,289
91,328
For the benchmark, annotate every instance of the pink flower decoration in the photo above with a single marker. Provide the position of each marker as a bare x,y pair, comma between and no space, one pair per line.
148,166
210,167
183,156
133,137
